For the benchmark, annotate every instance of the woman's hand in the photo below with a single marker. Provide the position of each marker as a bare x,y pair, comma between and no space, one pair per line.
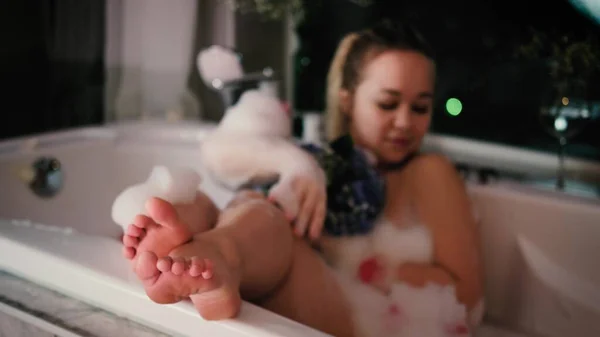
303,198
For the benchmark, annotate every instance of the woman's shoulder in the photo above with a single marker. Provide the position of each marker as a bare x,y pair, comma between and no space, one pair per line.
432,163
427,167
430,178
434,176
432,185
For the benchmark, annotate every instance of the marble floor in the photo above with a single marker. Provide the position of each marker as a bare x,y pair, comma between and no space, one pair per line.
13,327
29,310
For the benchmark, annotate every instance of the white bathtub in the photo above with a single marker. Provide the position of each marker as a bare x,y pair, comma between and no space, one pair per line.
86,263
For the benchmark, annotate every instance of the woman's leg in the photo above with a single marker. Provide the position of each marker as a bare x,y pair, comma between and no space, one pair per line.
251,242
311,295
251,252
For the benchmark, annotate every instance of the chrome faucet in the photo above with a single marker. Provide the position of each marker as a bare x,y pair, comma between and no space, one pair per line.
231,90
221,70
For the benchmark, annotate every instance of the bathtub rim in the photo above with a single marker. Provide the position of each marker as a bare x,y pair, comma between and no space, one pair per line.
472,152
50,266
153,131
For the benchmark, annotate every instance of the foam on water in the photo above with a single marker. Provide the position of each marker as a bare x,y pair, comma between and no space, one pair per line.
175,185
219,63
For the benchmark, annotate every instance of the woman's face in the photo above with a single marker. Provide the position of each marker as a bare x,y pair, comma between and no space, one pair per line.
390,110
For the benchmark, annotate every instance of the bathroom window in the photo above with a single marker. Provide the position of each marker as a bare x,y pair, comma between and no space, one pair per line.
486,90
51,65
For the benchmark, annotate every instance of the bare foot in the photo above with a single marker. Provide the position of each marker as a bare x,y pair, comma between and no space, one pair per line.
207,278
167,226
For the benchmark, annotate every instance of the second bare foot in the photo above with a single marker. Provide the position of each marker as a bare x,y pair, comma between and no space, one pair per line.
206,278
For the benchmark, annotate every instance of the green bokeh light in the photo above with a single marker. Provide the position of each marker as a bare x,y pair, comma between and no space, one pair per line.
454,106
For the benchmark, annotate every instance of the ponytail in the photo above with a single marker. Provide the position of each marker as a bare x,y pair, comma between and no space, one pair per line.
336,120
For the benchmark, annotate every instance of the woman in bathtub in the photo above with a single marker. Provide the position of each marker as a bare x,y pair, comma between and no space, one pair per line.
380,91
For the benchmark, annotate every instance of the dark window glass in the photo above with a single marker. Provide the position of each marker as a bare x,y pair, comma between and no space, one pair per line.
51,65
485,92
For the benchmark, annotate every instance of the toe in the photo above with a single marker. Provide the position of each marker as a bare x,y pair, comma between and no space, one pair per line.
179,266
165,264
197,266
129,252
146,267
162,212
141,222
133,230
208,271
130,241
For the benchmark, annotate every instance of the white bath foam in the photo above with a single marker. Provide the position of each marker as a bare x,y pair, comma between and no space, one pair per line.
252,145
400,244
431,311
393,244
256,113
217,62
176,185
368,306
407,312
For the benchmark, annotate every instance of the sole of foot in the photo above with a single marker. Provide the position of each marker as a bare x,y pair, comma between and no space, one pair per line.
206,281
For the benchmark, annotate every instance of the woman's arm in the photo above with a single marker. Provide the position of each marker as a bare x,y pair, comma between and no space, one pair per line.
439,199
418,275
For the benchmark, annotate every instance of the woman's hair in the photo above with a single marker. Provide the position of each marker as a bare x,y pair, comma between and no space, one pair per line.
350,57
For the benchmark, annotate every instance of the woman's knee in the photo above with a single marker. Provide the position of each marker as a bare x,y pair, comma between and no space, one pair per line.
251,206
